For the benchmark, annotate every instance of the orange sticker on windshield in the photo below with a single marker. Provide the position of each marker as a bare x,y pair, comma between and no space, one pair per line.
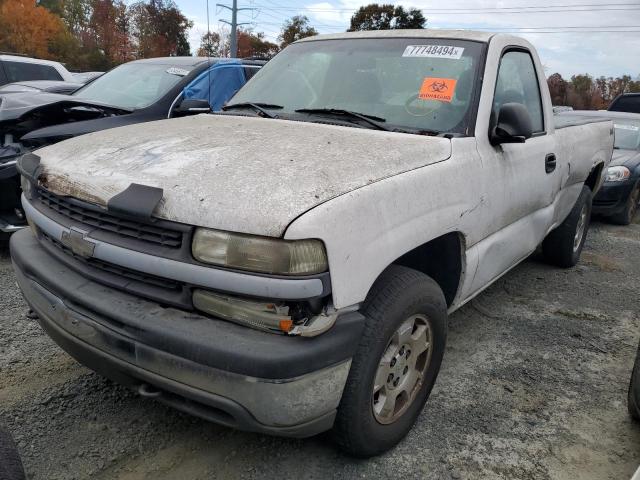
440,89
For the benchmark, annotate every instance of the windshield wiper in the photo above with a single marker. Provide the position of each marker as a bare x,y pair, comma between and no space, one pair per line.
258,107
419,131
370,119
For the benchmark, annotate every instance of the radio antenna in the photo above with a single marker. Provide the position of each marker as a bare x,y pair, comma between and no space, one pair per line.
208,57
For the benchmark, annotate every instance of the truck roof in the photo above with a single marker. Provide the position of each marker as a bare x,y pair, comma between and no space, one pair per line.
419,33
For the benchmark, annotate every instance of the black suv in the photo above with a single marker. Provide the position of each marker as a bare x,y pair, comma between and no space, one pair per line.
627,102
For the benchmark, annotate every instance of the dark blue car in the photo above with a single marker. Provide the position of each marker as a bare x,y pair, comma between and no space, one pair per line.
619,197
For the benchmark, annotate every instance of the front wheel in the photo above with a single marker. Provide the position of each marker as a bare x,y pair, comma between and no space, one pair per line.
396,364
563,246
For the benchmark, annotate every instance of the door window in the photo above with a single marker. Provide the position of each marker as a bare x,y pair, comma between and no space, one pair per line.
517,82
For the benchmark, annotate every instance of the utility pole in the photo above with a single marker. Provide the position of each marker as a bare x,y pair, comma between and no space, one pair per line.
234,25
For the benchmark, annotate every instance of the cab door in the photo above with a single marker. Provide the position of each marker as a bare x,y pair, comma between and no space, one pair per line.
521,179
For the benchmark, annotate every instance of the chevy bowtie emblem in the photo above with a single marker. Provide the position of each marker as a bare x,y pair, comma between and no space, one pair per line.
75,239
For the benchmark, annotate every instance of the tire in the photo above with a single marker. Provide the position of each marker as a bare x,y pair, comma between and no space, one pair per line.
10,463
625,217
633,396
563,246
401,299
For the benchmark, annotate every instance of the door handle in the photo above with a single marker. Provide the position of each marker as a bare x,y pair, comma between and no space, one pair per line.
550,163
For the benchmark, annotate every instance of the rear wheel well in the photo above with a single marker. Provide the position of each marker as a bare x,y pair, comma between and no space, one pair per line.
440,259
594,177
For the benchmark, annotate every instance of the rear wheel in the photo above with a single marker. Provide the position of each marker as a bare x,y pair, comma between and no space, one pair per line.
625,217
563,246
396,364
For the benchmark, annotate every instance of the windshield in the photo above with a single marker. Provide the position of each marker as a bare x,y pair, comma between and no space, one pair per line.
133,85
423,83
627,134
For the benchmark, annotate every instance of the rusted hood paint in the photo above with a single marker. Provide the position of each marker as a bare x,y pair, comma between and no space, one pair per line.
234,173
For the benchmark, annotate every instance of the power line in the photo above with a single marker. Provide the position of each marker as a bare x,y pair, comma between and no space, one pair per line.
552,8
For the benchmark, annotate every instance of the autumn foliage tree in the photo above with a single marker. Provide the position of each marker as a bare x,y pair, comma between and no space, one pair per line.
28,28
108,26
93,34
251,44
583,92
558,89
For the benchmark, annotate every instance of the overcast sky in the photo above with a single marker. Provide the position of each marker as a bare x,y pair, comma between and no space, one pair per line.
572,36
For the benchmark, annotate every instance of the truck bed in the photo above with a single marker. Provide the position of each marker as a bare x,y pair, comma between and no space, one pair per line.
572,120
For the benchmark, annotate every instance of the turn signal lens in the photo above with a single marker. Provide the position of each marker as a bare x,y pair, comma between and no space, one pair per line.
259,254
261,315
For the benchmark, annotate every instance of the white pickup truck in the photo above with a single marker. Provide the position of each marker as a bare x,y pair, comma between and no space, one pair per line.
287,266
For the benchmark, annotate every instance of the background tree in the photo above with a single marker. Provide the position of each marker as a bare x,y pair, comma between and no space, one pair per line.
210,44
252,44
583,94
54,6
108,27
294,29
76,14
159,29
28,28
386,17
558,88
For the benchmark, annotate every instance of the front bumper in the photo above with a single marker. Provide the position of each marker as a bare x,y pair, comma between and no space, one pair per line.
612,197
217,370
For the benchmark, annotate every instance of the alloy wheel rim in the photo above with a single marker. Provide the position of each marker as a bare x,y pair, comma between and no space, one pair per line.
580,229
402,368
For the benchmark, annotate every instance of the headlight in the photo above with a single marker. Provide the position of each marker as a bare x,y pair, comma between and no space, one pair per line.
617,174
259,254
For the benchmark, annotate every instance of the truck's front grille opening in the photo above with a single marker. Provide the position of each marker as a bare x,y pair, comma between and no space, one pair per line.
96,218
116,269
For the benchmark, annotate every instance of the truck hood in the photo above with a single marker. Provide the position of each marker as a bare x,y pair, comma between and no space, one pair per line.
242,174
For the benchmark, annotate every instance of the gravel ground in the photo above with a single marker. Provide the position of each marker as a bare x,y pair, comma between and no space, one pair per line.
533,385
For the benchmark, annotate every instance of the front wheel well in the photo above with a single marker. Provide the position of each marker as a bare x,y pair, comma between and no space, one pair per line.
440,259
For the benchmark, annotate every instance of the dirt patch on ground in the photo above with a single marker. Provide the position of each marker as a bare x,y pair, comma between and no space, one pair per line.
533,386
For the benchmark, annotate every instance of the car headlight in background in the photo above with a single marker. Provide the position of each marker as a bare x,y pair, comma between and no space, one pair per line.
617,174
259,254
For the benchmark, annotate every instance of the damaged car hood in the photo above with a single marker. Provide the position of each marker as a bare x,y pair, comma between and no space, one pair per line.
242,174
17,105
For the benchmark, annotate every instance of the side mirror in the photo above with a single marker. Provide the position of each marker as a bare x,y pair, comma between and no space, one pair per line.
192,106
513,126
